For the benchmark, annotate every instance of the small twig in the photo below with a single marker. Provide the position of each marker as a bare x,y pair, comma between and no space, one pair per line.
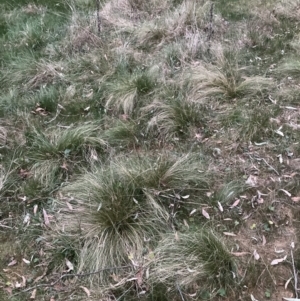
211,16
56,115
180,292
210,28
270,166
258,159
270,274
295,273
98,16
70,275
4,226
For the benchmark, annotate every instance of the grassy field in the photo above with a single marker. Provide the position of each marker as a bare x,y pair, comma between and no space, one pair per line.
149,150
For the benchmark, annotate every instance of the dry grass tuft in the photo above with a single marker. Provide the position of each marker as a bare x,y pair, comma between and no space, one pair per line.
188,16
30,73
33,9
117,13
82,33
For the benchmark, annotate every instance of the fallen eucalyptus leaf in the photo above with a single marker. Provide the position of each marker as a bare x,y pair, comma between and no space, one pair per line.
286,192
256,255
88,293
26,261
253,298
46,218
69,265
229,234
251,181
33,294
185,196
235,203
239,254
193,211
220,206
205,214
279,260
12,263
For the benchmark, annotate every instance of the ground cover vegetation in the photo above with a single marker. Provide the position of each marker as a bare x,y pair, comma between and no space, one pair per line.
149,150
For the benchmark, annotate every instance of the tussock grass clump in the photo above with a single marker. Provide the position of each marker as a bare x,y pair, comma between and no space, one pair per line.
175,117
291,67
15,102
257,125
81,33
188,15
51,154
168,172
88,68
47,98
288,9
123,15
118,211
9,103
195,260
32,27
230,191
125,120
224,78
123,134
209,81
151,7
125,92
32,73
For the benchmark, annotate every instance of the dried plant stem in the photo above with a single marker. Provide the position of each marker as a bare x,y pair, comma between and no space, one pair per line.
71,275
210,27
98,16
180,292
271,166
295,274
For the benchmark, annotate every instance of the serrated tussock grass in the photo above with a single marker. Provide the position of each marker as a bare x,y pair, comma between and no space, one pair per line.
290,68
173,25
33,27
175,117
208,81
125,93
199,258
257,125
228,192
81,34
118,211
123,134
31,73
124,14
144,118
51,154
